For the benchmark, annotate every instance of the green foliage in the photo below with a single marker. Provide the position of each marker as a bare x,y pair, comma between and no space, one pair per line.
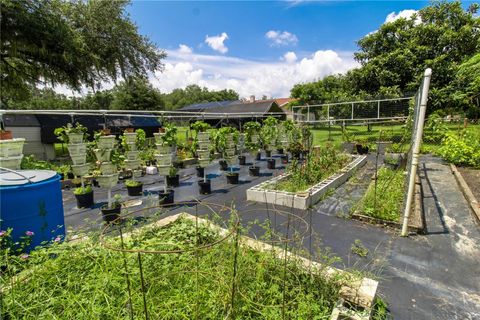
70,42
220,137
63,132
446,38
170,136
136,93
141,139
200,126
268,132
252,128
171,280
462,148
173,171
385,203
435,128
83,190
358,248
194,94
133,183
320,164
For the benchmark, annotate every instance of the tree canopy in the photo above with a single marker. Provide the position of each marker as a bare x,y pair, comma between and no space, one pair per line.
73,43
441,36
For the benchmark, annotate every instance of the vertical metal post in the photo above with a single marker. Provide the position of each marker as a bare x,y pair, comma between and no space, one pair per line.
308,113
328,112
143,286
416,150
352,110
378,109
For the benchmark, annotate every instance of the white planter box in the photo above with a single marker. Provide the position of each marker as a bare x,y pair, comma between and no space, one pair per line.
204,144
77,148
12,163
307,198
80,170
106,142
75,137
229,152
107,168
103,155
79,159
163,170
164,159
131,146
130,137
158,137
108,181
132,164
11,147
203,136
203,154
132,155
137,173
163,148
203,162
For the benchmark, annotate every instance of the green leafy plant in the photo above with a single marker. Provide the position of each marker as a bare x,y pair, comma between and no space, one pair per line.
221,135
358,248
321,163
462,148
200,126
32,163
268,132
141,139
83,190
63,132
169,137
133,183
173,171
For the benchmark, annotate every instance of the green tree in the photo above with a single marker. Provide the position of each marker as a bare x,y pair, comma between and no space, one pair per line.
73,43
136,94
179,98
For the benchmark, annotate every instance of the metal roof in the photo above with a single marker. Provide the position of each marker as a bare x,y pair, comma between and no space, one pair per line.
260,106
208,105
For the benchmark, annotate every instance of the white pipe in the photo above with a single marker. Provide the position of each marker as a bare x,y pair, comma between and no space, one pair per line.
416,150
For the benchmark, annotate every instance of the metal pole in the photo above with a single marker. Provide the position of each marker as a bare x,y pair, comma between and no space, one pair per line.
378,109
352,109
416,150
308,113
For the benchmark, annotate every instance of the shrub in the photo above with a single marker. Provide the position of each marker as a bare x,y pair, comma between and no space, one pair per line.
82,190
462,148
133,183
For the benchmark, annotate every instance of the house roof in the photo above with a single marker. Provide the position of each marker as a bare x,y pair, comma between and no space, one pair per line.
283,101
200,107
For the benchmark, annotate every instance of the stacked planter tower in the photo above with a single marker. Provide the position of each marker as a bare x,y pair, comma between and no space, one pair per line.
132,162
203,153
229,156
77,148
109,175
165,156
11,153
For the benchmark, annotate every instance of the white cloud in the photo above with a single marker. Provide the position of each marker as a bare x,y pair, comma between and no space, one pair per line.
182,48
217,42
248,76
279,38
289,57
406,14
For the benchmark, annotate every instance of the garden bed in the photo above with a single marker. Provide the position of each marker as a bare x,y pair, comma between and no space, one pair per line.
84,280
302,200
387,209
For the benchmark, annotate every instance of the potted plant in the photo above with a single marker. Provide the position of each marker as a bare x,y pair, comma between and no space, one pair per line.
173,179
71,134
111,211
84,196
362,146
201,137
134,187
348,144
225,140
252,144
268,136
242,160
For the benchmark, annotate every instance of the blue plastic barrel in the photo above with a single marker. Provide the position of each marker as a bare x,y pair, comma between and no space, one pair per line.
31,200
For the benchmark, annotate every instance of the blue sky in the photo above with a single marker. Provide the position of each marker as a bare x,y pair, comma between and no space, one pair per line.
260,48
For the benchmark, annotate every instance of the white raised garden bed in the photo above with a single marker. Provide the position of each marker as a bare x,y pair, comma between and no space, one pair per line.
307,198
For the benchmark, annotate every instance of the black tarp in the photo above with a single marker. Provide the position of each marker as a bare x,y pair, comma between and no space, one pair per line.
93,123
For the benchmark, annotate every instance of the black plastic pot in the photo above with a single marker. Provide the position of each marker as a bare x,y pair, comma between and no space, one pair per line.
70,175
285,158
135,191
179,164
242,160
84,200
280,151
173,181
361,149
205,187
271,164
259,156
109,215
254,171
223,165
200,172
166,197
268,153
232,177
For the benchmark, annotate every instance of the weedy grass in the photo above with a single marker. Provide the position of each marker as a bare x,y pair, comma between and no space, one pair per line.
386,201
85,280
